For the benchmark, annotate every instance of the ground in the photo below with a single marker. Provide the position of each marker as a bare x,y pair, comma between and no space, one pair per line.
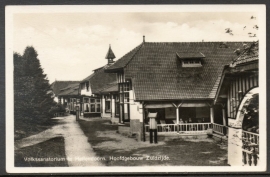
77,151
27,128
51,148
117,148
95,142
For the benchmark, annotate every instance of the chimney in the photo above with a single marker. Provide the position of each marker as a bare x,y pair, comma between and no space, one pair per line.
143,39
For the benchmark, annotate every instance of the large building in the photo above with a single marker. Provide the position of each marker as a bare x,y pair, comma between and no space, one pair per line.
179,81
239,94
99,92
192,86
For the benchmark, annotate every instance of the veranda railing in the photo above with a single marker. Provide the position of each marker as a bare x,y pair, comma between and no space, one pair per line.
217,128
182,128
250,148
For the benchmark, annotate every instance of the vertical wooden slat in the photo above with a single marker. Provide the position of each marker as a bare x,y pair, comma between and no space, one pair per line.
234,96
240,88
256,81
251,82
228,103
243,86
247,83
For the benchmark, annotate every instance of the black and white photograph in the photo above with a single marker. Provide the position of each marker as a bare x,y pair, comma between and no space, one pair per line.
129,88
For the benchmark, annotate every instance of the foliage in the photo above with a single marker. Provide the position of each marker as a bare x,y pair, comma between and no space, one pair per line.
251,111
58,108
31,87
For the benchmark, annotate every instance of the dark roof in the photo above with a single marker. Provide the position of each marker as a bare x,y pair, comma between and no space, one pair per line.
122,62
72,89
186,55
112,87
56,86
251,53
157,72
100,80
87,78
110,54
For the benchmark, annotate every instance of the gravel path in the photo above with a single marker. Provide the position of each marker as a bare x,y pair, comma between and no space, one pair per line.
77,148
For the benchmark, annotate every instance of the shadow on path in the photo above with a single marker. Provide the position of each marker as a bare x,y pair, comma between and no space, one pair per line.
77,148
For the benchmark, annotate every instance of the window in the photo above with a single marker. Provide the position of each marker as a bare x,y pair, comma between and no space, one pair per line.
124,109
126,98
86,100
117,107
92,105
120,77
98,108
93,108
191,63
87,86
86,107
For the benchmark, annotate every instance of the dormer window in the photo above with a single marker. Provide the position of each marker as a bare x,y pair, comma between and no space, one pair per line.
190,59
192,63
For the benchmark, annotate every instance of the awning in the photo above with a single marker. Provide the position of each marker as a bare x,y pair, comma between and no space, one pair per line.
161,105
170,105
194,105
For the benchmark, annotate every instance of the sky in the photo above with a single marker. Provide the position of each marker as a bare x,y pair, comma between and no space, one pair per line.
71,45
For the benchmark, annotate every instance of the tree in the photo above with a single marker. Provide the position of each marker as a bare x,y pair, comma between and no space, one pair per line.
31,86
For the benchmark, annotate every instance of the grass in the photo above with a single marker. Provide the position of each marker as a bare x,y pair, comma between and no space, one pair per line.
106,143
53,148
27,128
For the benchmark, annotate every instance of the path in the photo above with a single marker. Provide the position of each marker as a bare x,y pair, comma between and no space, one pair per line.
77,147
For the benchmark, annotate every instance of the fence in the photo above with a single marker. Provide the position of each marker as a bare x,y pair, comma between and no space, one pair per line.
191,128
250,148
217,128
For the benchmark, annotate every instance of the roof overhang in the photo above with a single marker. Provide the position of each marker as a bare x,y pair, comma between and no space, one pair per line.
190,55
115,70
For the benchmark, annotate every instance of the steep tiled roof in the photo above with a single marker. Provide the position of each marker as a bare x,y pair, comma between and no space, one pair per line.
58,85
122,62
87,78
251,53
71,89
110,54
100,80
157,72
113,87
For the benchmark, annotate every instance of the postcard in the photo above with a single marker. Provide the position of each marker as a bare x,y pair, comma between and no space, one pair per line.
135,88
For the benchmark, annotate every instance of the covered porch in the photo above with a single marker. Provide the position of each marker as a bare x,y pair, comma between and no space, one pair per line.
186,117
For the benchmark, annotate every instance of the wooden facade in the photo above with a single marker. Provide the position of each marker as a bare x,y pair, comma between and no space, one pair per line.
239,86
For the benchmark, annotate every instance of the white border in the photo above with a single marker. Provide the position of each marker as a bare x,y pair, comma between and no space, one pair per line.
10,10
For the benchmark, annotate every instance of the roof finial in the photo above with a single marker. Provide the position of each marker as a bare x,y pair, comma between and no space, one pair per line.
110,55
143,39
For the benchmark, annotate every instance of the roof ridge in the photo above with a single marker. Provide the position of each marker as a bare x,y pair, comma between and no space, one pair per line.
139,47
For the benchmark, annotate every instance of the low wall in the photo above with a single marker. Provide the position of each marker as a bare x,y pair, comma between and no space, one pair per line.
91,115
169,136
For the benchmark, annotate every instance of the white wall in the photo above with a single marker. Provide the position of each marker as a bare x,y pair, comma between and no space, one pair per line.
136,111
85,92
103,114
